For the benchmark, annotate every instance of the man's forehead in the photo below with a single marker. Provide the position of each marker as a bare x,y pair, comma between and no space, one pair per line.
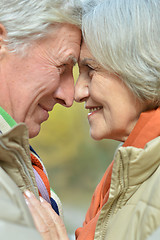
63,57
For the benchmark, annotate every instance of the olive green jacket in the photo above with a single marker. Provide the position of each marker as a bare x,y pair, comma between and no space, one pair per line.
132,211
16,175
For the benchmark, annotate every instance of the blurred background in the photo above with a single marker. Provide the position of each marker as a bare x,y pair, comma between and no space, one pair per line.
75,163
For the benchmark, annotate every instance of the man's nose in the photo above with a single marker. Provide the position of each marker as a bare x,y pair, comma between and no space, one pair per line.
81,90
65,92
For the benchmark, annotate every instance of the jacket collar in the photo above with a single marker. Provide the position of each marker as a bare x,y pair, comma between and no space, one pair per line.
139,157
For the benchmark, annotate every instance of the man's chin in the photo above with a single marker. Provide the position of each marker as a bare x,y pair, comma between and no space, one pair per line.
34,132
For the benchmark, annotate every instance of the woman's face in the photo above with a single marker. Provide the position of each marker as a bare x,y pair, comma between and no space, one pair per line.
33,84
113,109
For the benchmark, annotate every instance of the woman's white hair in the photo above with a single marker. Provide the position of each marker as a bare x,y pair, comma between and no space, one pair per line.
29,20
124,37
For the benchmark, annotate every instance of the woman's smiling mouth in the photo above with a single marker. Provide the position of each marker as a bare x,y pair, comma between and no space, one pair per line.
93,110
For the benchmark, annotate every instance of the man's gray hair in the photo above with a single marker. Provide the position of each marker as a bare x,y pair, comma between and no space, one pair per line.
124,37
29,20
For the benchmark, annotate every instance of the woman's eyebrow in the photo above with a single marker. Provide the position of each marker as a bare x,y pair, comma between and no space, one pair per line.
86,61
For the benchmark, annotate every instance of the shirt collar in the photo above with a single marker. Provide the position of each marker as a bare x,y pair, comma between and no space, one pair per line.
6,121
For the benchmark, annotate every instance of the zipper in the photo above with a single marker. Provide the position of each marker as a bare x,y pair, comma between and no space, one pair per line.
109,214
112,207
22,162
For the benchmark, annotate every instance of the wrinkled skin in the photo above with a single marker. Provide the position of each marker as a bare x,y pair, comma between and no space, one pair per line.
31,85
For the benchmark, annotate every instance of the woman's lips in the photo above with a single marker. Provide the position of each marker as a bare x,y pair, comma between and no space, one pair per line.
93,110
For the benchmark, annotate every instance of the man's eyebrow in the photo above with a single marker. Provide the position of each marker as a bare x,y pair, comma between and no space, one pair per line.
71,59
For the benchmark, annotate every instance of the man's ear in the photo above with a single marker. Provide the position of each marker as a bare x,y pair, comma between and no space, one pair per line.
3,35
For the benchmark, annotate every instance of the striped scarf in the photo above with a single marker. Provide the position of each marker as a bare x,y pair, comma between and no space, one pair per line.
42,180
6,123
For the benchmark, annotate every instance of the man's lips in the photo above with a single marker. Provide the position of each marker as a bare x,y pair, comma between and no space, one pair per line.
48,109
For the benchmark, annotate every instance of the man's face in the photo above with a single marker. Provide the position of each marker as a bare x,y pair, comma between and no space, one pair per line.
32,85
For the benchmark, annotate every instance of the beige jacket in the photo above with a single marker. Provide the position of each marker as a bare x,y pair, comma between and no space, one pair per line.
134,195
16,174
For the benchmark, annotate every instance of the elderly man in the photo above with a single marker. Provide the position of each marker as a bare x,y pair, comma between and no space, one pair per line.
39,45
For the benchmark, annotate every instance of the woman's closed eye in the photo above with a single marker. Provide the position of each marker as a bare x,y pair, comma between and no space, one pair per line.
91,70
87,69
90,67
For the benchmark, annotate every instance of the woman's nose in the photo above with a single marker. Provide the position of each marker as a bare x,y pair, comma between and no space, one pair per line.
81,90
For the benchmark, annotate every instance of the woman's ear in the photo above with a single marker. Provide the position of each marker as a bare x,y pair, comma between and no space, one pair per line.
3,35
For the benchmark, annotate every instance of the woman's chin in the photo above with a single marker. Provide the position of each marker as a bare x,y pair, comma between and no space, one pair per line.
95,136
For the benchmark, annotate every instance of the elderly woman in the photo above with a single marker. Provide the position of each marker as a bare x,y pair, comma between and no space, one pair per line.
120,84
39,44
